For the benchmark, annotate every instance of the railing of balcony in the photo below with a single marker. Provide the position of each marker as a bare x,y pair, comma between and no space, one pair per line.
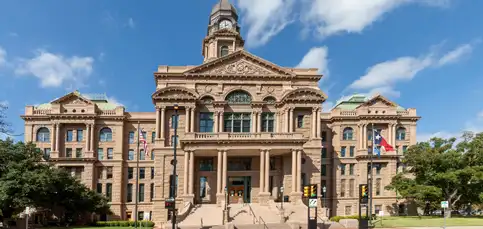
241,136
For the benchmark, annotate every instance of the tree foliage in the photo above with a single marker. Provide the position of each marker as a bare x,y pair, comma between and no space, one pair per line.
442,170
4,125
26,181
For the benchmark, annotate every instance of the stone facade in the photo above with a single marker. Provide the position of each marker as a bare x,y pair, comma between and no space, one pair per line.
244,124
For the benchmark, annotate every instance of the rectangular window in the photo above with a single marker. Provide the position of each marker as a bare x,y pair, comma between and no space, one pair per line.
110,153
152,155
351,151
324,136
152,172
300,121
342,188
109,172
378,169
351,169
109,191
206,164
342,169
131,137
68,152
324,170
141,215
130,155
151,193
80,135
130,172
100,154
47,153
348,210
206,122
324,152
129,193
404,149
70,134
378,186
173,140
99,188
100,171
377,209
342,151
268,120
351,187
153,136
237,122
142,173
144,135
141,193
142,155
174,121
78,153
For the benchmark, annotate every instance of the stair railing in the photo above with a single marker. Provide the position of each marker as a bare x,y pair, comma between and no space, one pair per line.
260,220
254,218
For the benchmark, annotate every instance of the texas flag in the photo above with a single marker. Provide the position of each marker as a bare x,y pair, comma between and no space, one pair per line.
379,140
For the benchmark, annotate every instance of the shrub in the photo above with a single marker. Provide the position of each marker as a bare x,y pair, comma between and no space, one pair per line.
337,218
141,223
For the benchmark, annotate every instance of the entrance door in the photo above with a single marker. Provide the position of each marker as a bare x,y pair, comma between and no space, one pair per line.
239,189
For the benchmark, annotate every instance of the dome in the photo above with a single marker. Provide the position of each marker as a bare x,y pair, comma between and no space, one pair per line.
224,5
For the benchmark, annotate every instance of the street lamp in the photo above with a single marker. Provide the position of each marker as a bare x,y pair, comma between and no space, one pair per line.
324,190
281,190
175,145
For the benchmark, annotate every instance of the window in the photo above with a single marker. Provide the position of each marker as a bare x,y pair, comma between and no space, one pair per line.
142,173
109,191
46,153
110,154
144,135
43,135
347,134
342,188
206,164
377,209
153,136
401,134
348,210
141,193
239,164
300,121
267,122
270,100
174,139
237,122
69,135
130,172
78,153
323,170
351,151
351,187
351,169
206,122
152,155
131,137
378,186
272,163
324,152
100,154
224,51
172,184
80,135
105,135
342,151
378,169
151,193
68,152
99,172
142,155
174,121
404,149
342,169
129,193
152,172
99,188
324,136
109,172
130,155
141,215
238,97
369,133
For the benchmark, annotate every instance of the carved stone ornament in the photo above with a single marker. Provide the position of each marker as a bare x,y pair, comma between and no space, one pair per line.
208,88
77,101
240,67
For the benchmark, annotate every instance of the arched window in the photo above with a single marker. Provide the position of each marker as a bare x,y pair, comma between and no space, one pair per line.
224,51
43,135
238,97
105,135
347,133
207,100
270,100
401,134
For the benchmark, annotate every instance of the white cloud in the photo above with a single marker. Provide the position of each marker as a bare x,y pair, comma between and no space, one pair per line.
480,114
114,100
130,23
4,103
265,18
3,56
316,57
382,77
475,125
55,70
330,17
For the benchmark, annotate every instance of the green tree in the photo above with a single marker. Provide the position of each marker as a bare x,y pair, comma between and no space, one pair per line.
26,181
438,170
4,125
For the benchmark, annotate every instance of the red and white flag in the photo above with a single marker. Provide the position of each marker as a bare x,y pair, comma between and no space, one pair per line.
145,143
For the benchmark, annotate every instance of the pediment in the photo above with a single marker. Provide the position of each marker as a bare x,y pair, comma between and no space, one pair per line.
73,98
378,101
175,93
305,95
239,63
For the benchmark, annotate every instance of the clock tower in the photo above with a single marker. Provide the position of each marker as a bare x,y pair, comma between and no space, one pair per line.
223,35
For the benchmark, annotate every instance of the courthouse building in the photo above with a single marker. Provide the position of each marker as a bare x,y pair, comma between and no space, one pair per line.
244,123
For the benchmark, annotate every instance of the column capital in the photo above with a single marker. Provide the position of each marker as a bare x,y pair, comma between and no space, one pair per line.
314,109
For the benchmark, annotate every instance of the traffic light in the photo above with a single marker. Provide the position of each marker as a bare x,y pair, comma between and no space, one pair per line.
169,204
306,191
313,190
364,193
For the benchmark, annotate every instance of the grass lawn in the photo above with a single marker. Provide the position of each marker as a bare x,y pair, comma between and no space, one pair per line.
428,221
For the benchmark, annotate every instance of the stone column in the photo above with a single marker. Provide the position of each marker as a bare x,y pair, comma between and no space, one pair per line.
262,171
163,173
93,127
299,170
187,120
361,136
254,122
317,133
394,134
364,138
224,178
157,122
222,122
52,138
87,137
259,122
294,171
185,172
290,120
57,137
267,171
163,121
215,122
192,121
314,124
191,173
285,120
277,122
219,188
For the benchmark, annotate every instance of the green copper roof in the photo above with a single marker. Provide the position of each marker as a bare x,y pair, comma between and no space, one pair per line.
353,101
100,100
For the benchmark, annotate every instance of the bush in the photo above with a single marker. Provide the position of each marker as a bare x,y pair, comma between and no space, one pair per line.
337,218
141,223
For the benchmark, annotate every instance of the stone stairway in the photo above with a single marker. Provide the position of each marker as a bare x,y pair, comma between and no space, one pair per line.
203,216
249,214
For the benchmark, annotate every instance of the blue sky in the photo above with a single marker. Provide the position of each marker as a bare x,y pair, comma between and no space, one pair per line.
425,54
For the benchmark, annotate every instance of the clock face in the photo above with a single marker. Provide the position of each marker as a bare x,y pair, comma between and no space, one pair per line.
225,24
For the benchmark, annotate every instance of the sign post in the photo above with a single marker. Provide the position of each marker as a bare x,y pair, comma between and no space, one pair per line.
310,192
444,205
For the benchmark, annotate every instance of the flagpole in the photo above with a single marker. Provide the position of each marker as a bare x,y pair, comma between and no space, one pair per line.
371,178
137,182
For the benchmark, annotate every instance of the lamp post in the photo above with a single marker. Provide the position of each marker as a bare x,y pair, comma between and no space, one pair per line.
324,190
175,145
281,190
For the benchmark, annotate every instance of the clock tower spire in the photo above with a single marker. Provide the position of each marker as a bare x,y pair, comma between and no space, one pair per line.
223,34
